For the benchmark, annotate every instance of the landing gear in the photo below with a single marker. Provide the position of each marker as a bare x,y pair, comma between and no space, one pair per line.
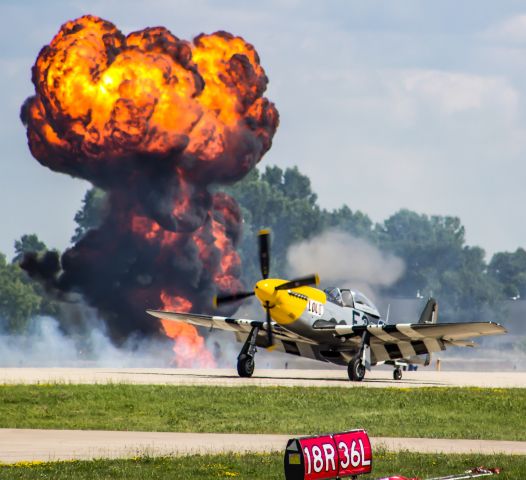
245,365
397,373
356,369
245,359
361,361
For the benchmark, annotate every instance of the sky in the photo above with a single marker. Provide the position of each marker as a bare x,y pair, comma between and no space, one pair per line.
383,104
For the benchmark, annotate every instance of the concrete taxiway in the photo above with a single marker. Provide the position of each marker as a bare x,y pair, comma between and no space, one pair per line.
51,445
263,378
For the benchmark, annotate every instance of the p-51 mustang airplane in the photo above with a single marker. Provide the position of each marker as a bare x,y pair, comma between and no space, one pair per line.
335,325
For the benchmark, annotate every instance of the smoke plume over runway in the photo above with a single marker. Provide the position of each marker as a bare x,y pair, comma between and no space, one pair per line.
344,260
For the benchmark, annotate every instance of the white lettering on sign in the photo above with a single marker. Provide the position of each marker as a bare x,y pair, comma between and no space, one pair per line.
356,457
320,460
365,463
309,462
330,454
341,454
344,463
315,308
317,458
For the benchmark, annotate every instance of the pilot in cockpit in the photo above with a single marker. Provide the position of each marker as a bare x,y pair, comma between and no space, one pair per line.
334,295
343,297
352,299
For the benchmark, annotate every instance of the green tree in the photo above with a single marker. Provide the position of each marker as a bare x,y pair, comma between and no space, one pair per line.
32,244
428,246
467,292
509,269
26,244
18,299
356,223
281,201
439,263
91,214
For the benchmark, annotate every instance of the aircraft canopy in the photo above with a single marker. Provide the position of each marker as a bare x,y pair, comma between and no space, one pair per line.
351,298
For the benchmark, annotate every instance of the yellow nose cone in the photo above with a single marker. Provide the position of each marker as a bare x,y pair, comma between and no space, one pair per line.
286,306
265,290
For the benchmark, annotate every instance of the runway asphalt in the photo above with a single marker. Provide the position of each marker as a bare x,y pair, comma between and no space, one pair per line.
51,445
275,377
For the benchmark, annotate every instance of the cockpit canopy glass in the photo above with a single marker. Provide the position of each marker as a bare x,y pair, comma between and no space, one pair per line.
334,295
361,299
342,297
349,298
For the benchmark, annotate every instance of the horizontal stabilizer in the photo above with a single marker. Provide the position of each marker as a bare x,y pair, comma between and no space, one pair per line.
461,343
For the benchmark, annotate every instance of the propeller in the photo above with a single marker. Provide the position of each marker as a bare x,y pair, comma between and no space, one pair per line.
264,252
234,297
264,261
299,282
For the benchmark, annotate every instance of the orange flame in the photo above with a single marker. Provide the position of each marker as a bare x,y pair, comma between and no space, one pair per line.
189,347
147,93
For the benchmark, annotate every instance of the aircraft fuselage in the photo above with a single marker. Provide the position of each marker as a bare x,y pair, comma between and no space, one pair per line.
307,312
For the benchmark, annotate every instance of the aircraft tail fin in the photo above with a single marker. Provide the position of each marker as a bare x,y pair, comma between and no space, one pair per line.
430,312
429,315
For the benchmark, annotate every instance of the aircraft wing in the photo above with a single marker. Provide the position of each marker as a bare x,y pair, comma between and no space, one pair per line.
241,326
405,340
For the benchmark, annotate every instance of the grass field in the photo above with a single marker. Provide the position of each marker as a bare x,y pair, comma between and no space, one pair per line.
424,412
254,467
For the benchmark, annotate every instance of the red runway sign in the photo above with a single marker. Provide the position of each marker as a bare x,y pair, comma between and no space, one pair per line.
328,456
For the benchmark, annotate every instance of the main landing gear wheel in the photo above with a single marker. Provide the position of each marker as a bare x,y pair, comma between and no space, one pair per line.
245,365
245,359
356,370
397,374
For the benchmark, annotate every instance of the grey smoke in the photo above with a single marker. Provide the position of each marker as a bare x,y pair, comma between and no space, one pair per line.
341,259
45,345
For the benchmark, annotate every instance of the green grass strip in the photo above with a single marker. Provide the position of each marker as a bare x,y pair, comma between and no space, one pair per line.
254,467
473,413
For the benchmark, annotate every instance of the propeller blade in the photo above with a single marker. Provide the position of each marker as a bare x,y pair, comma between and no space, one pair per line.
264,252
299,282
270,339
234,297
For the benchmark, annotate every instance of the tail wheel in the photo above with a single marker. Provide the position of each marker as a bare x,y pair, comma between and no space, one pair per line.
245,365
356,370
397,374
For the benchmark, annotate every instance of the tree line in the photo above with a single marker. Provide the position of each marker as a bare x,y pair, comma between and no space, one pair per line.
434,249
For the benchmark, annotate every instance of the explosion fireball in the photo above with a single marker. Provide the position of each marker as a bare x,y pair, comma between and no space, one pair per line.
155,121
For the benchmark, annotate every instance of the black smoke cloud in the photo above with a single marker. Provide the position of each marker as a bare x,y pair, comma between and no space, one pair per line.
155,142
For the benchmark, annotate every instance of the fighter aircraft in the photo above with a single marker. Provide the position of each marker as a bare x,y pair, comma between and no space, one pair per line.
336,325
